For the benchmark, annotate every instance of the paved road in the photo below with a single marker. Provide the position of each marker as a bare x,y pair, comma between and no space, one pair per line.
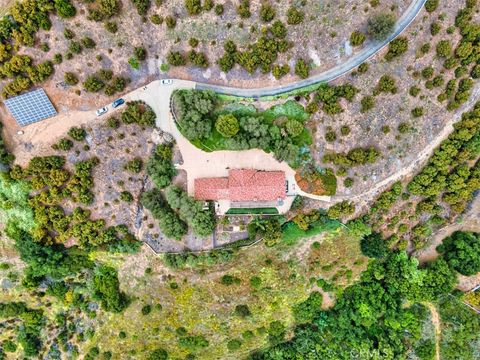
366,53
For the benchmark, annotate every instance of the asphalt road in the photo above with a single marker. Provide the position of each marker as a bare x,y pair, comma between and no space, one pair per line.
366,53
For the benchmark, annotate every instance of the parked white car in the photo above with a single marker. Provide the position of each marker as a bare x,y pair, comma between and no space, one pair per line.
167,81
101,111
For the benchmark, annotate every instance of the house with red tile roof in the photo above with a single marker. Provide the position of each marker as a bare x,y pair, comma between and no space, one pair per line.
244,188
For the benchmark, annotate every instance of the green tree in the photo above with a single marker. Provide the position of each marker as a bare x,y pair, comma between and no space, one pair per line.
380,26
227,125
461,250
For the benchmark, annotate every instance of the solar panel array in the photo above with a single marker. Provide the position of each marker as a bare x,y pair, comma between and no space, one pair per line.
31,107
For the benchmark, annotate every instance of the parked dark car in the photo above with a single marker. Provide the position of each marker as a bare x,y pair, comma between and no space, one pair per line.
118,102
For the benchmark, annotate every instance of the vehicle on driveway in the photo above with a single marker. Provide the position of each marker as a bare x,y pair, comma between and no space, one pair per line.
101,111
118,102
167,81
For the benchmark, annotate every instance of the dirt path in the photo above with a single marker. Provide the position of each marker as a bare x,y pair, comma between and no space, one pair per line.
437,326
470,222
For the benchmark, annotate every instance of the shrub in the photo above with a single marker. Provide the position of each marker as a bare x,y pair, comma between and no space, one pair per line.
193,42
193,343
194,7
294,16
302,69
279,30
158,354
227,125
88,43
414,91
70,78
228,280
171,22
330,136
93,84
387,84
435,28
444,48
357,38
156,19
243,9
111,27
105,74
461,250
267,12
176,58
362,68
142,6
219,9
68,34
280,70
65,9
341,209
367,103
348,182
198,59
396,48
146,309
417,111
140,53
431,5
134,165
234,344
77,133
75,47
126,196
403,128
293,127
380,26
373,246
242,311
63,144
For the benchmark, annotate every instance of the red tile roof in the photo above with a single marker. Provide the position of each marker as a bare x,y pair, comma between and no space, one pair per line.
243,185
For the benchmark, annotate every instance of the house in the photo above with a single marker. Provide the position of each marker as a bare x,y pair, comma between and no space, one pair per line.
243,188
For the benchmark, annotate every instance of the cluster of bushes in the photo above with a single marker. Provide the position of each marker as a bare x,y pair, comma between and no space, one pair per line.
6,158
195,7
201,221
105,288
169,222
383,290
355,157
140,113
24,74
176,58
329,97
261,54
100,10
160,167
396,48
461,250
103,79
54,184
65,144
28,333
447,174
449,178
341,210
195,113
180,261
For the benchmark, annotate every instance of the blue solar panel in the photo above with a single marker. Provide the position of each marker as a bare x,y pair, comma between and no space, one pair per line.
30,107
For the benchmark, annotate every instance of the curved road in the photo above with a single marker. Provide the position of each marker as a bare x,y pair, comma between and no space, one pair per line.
366,53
